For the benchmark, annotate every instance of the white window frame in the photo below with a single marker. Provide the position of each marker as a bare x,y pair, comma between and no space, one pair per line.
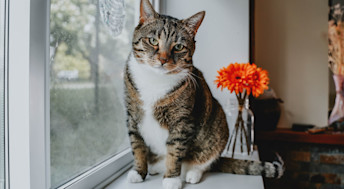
27,126
4,34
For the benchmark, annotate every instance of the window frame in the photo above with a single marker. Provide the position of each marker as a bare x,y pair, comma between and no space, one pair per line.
27,110
4,34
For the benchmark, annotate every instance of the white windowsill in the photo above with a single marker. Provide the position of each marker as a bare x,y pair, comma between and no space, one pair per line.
209,180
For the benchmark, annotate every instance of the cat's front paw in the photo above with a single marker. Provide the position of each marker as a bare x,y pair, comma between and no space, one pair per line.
172,183
193,176
134,177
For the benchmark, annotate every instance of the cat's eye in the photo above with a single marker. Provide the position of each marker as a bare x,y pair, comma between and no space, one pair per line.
179,47
153,41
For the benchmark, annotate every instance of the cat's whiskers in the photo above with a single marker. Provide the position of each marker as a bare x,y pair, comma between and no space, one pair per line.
189,75
192,79
175,69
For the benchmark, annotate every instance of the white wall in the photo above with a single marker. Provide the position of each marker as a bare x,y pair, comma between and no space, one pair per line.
291,43
222,38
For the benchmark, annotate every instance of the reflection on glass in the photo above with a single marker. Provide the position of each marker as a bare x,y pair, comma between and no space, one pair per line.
87,116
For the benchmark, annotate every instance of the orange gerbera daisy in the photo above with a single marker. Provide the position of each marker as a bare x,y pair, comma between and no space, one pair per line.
259,81
235,77
243,77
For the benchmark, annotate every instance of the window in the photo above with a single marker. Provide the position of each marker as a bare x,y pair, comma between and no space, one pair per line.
66,119
87,117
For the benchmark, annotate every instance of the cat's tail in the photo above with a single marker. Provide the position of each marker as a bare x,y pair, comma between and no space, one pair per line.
273,169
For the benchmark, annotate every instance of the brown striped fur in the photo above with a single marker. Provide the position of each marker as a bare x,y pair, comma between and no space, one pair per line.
195,121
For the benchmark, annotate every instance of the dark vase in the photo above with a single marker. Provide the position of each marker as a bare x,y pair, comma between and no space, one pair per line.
267,113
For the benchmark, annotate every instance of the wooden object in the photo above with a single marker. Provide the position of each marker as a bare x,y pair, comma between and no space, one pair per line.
288,135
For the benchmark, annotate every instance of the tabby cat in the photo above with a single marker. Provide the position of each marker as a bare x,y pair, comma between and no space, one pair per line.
175,125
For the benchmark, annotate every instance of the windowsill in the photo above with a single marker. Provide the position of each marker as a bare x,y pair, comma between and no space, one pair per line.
209,180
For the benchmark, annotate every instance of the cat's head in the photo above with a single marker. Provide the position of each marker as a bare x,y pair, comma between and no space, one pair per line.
164,43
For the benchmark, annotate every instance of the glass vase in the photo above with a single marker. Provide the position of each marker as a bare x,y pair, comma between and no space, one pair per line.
338,109
241,128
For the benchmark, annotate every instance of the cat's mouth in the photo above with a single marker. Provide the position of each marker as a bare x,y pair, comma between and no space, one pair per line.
161,69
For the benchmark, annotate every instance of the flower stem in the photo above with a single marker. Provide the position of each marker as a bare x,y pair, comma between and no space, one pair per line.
237,124
247,142
230,141
241,133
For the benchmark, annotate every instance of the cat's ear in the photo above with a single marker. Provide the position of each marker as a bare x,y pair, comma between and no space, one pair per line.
146,11
194,21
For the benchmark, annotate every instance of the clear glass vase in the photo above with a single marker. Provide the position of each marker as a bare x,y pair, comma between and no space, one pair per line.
240,120
338,109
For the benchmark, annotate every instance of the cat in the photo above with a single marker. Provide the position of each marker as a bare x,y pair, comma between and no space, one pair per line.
175,125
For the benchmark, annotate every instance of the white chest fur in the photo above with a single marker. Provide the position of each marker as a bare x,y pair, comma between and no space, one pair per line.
152,86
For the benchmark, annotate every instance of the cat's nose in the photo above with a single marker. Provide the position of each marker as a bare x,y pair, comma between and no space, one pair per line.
163,60
163,57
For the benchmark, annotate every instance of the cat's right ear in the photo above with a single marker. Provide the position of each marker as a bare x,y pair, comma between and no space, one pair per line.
194,22
146,11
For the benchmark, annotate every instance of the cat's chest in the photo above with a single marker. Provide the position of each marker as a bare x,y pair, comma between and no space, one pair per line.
152,87
153,134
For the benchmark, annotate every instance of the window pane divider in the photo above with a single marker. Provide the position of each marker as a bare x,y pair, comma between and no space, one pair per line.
39,94
6,150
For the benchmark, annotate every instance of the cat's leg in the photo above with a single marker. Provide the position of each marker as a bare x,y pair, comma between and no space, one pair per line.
156,164
140,152
172,178
176,150
195,171
139,172
194,175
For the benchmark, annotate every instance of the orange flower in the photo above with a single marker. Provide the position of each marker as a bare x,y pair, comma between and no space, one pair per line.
243,77
259,81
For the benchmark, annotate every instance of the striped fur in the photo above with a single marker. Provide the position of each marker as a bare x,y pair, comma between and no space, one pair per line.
172,116
246,167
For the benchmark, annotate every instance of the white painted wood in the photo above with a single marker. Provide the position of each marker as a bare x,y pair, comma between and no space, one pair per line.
18,113
100,174
209,180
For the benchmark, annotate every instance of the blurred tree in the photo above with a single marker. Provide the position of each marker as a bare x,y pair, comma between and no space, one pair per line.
71,23
74,22
71,62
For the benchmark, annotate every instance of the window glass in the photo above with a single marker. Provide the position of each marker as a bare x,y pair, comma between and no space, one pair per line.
87,116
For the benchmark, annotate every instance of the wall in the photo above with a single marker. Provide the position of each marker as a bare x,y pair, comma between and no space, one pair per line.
307,165
222,38
291,43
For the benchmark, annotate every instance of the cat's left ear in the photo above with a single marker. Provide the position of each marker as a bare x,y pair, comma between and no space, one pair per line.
146,11
194,22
